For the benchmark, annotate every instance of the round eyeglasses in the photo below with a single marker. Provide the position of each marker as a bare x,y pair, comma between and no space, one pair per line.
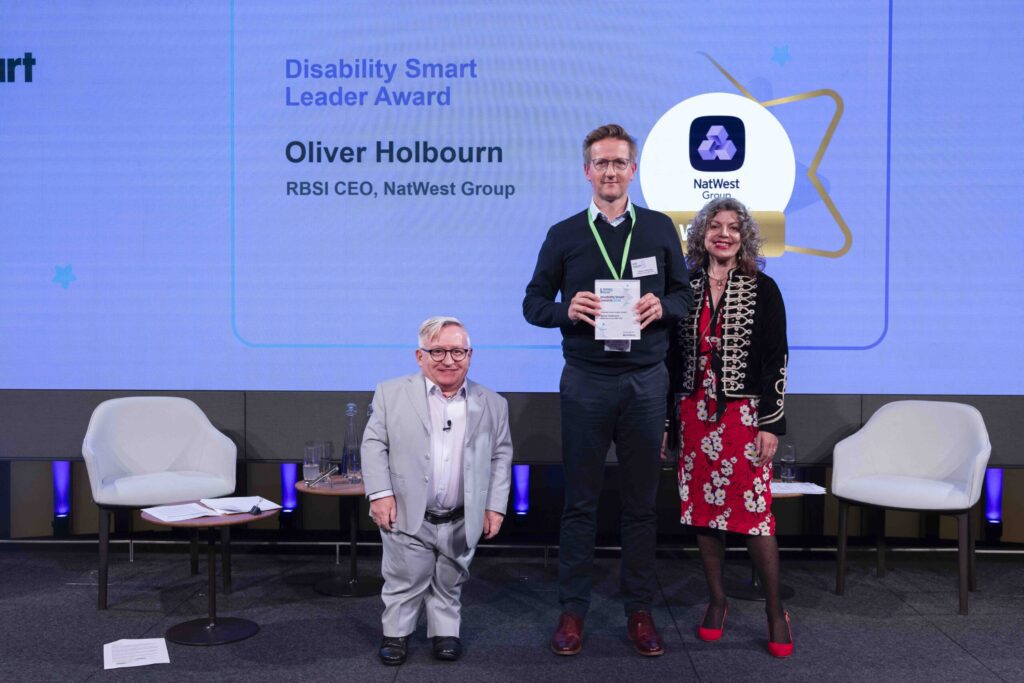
438,355
601,165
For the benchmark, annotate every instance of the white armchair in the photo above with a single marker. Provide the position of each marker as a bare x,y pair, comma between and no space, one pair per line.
914,455
152,450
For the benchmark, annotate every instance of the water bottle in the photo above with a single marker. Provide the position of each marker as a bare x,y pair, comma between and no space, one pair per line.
351,468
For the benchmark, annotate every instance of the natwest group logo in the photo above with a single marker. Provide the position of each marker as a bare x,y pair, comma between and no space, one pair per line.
718,144
9,68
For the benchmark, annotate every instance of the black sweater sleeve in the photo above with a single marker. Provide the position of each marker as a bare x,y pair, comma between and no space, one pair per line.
539,305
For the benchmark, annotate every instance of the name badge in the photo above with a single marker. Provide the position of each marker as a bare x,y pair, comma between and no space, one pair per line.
644,266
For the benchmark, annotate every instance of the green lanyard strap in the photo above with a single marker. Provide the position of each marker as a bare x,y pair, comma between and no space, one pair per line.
604,252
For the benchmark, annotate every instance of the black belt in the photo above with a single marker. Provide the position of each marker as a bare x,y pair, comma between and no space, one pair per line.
450,516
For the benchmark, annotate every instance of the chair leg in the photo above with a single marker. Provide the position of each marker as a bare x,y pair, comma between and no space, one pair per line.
962,523
104,539
844,509
225,557
193,551
972,583
880,541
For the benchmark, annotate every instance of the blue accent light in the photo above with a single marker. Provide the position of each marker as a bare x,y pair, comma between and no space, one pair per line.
289,475
994,496
521,481
61,488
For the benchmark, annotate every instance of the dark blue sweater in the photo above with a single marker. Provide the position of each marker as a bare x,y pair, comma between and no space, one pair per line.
570,261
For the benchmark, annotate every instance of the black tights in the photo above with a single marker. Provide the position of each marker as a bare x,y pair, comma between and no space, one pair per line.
764,553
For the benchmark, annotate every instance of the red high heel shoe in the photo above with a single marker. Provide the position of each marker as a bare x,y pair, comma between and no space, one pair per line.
711,634
781,649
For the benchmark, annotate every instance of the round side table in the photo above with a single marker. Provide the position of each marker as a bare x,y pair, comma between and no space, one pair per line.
351,586
212,630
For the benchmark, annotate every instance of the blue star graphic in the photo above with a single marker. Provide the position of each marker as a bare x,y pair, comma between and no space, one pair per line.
781,55
64,276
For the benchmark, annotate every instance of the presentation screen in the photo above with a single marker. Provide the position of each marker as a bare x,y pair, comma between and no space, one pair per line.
273,196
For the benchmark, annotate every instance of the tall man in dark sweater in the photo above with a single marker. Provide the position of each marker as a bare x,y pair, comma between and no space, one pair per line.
610,391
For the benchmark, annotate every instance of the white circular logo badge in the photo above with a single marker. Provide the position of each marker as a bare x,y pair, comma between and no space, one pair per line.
717,145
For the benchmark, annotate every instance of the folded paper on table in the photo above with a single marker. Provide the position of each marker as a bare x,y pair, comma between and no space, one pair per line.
805,487
181,512
230,506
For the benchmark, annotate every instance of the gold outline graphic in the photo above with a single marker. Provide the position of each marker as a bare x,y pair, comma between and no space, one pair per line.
812,171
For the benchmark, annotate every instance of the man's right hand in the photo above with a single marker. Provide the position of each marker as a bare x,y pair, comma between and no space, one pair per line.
384,512
584,306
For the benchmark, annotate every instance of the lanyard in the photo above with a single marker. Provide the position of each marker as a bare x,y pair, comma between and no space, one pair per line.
604,252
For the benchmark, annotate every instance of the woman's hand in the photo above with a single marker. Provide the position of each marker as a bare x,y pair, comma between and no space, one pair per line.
766,444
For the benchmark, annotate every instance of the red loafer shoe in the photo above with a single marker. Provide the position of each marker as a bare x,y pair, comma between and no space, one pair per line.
781,649
644,635
711,634
568,637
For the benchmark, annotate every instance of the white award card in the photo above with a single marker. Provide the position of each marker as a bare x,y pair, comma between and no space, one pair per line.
618,319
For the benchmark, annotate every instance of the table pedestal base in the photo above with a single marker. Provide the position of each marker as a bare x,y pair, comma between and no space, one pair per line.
751,590
206,632
343,587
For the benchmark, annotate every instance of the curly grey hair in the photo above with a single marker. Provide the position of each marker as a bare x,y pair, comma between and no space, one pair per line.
749,259
431,328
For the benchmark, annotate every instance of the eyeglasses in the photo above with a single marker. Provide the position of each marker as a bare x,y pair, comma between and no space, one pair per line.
437,355
601,165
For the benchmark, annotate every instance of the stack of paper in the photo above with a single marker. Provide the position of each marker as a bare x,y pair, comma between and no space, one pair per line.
178,513
805,487
229,506
210,507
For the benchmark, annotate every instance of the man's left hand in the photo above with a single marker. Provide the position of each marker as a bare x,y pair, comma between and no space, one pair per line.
648,309
492,523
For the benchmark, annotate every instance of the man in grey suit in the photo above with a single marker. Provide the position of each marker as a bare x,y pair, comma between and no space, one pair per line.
436,459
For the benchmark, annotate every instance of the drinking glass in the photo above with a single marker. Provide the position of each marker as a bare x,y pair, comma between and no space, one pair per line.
326,455
311,462
787,463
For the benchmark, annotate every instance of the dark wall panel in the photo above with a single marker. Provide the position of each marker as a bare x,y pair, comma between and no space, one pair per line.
274,425
279,423
814,423
52,424
536,424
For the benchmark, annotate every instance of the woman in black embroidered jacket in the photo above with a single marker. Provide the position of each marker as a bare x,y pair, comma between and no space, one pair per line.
733,355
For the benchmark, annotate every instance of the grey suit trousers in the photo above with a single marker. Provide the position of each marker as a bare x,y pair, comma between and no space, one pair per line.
426,569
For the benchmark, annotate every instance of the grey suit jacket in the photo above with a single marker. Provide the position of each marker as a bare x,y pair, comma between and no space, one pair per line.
396,449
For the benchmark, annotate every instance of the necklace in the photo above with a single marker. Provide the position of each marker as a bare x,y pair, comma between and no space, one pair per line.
717,281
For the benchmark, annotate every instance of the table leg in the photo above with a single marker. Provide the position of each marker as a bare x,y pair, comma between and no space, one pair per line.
225,558
353,586
753,590
211,630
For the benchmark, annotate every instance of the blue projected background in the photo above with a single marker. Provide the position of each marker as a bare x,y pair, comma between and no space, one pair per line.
179,211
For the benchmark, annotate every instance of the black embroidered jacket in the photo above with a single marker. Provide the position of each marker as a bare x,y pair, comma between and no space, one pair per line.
750,361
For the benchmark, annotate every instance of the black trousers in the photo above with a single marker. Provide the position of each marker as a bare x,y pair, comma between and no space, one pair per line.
628,409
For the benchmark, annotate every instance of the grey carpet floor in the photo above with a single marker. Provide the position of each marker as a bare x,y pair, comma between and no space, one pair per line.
903,627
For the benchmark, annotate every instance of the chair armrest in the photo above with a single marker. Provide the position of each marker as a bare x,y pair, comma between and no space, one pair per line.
100,467
218,455
976,473
849,460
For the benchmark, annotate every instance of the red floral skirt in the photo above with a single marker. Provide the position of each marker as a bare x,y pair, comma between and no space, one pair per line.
719,485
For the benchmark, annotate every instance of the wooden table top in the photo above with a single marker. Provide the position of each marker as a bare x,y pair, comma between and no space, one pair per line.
337,488
213,521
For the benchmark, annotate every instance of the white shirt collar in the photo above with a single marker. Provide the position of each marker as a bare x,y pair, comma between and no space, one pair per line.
595,213
432,387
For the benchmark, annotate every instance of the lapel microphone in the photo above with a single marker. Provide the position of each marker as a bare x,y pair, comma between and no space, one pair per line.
447,426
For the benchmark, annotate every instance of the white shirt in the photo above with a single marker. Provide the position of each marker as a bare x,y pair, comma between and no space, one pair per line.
447,443
446,449
595,213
